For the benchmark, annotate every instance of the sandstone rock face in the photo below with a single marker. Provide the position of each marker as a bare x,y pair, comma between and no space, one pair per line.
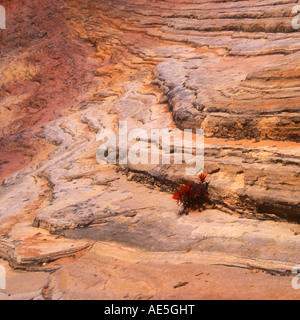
70,69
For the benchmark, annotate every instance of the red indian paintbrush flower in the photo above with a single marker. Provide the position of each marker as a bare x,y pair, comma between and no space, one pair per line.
202,177
176,196
192,195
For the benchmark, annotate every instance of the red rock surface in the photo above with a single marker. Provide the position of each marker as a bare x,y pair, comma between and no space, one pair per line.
45,71
71,68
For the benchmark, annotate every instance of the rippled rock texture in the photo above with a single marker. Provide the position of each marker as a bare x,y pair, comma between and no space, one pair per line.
70,68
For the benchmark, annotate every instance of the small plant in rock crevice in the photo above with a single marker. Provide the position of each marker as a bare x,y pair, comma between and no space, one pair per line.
193,196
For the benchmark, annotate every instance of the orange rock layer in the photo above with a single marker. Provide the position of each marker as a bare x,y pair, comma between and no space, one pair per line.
70,68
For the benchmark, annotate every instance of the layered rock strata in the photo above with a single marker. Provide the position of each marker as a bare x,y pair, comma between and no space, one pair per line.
72,69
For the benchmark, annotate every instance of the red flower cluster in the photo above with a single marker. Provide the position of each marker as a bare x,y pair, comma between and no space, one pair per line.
202,177
193,196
